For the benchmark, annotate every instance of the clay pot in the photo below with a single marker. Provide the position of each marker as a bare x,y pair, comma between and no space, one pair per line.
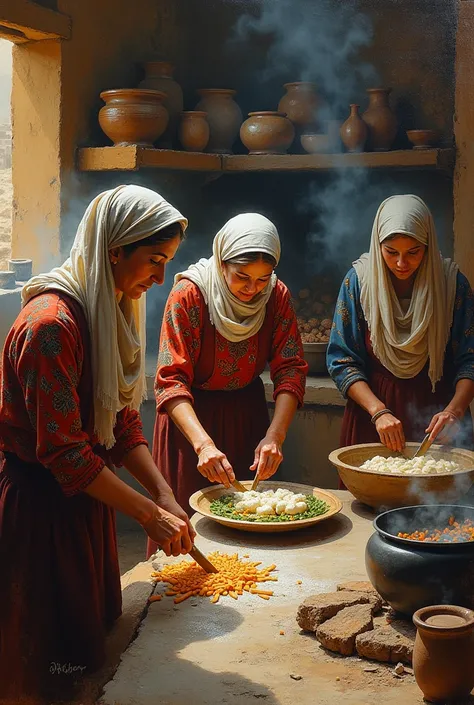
423,139
159,77
267,132
443,655
354,131
300,103
193,131
380,120
224,117
412,574
133,116
23,269
316,143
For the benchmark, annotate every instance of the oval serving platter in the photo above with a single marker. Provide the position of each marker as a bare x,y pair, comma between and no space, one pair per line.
201,500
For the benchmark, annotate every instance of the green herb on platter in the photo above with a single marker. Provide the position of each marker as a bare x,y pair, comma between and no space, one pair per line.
224,507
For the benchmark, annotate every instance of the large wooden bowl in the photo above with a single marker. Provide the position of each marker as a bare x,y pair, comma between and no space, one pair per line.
388,491
201,500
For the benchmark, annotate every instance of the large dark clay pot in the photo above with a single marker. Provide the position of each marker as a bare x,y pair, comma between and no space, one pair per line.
412,574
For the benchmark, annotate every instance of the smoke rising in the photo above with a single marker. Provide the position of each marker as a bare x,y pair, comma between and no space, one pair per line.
313,40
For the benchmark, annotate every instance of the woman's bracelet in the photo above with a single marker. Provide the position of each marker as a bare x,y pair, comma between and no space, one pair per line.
380,413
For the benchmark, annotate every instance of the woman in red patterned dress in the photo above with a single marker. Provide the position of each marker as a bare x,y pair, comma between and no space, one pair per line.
71,382
225,318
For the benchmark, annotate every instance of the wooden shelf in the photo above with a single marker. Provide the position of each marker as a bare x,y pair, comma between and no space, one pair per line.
406,159
133,158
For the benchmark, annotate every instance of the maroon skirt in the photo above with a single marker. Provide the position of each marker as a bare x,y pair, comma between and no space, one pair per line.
59,583
236,421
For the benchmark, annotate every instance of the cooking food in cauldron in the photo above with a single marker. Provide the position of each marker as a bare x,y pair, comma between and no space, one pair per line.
455,532
409,573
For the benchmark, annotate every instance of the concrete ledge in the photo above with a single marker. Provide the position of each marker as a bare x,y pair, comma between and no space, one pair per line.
320,391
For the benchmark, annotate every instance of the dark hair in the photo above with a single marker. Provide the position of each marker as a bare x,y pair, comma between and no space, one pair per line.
163,235
249,257
394,236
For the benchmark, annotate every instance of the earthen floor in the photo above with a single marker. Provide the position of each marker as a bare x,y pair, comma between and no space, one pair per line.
233,652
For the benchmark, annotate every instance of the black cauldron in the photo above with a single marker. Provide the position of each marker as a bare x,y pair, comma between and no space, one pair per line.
411,574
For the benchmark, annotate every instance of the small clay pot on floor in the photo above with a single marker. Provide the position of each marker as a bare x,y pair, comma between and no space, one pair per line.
193,131
354,131
443,655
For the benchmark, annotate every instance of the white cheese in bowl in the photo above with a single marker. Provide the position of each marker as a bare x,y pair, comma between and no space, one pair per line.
422,465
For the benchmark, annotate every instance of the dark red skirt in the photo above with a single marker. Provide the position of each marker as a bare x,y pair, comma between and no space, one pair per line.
236,421
59,583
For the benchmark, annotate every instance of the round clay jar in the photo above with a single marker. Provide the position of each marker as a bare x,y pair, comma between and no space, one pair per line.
133,116
443,654
224,117
159,77
267,132
193,131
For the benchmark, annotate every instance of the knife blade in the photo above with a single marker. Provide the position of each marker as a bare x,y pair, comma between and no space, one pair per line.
424,446
201,560
255,482
239,486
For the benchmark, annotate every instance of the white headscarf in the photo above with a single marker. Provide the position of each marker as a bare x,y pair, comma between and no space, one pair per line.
405,341
235,320
114,218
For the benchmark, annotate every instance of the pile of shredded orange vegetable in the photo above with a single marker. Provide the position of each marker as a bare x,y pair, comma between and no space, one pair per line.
453,533
188,579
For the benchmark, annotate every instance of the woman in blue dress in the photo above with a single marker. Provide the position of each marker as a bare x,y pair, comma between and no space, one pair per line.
402,343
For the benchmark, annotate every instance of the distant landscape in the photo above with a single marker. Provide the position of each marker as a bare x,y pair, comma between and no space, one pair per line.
5,174
5,79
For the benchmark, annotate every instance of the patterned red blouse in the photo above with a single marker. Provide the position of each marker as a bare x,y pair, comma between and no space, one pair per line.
235,364
40,408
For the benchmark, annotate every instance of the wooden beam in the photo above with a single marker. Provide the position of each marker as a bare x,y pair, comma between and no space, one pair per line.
33,21
13,35
464,131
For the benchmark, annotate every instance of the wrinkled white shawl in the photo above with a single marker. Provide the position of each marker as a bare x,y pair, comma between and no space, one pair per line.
405,341
235,320
114,218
